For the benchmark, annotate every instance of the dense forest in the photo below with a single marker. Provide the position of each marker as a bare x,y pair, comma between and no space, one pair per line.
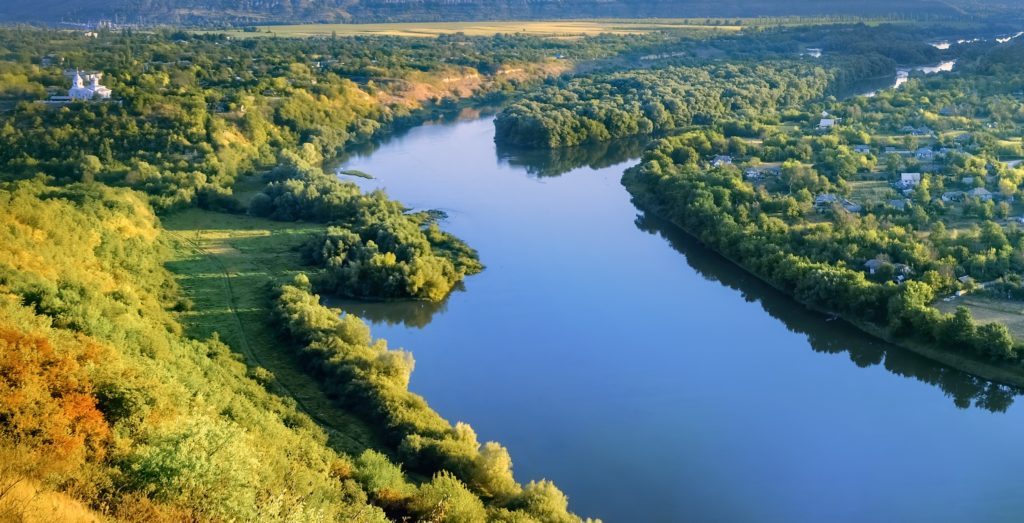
740,94
642,102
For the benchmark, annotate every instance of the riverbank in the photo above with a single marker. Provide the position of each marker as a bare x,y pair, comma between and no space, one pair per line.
972,365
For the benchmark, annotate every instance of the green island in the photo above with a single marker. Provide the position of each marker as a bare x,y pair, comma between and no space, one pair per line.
166,239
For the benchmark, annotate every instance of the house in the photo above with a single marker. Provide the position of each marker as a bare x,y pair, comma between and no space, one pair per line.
721,160
852,207
924,154
899,205
953,196
910,179
980,193
873,265
51,60
902,271
752,174
826,124
824,202
915,131
967,181
861,149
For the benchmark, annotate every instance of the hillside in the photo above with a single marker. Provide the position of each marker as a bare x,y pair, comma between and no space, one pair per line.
271,11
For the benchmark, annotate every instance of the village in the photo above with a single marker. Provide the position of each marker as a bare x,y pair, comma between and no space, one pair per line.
907,174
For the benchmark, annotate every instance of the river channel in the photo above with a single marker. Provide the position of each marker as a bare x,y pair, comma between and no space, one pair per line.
653,381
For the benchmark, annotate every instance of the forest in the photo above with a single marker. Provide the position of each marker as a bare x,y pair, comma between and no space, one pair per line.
763,76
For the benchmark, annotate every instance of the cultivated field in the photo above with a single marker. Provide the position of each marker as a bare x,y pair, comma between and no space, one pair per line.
549,28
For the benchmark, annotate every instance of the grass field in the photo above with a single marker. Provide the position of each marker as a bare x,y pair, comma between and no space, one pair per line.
226,264
986,309
550,28
870,192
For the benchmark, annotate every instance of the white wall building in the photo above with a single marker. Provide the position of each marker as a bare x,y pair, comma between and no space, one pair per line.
80,91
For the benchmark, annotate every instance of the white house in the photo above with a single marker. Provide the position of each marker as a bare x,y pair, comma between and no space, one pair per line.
826,123
80,91
721,160
910,179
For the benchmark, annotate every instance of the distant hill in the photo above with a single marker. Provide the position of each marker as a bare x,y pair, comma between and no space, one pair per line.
240,12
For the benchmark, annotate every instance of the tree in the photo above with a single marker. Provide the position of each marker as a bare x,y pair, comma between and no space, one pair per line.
995,340
445,499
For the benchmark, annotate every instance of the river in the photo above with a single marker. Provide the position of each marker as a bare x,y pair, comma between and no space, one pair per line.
652,380
871,87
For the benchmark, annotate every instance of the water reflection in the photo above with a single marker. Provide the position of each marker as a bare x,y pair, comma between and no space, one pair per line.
870,87
400,129
408,313
542,163
832,337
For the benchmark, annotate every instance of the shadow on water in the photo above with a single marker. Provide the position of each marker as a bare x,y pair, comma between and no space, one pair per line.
832,337
541,163
401,129
407,313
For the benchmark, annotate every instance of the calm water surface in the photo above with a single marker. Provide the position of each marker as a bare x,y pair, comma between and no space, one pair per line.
651,380
902,77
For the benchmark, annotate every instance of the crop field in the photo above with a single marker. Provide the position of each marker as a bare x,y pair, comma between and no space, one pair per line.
548,28
870,192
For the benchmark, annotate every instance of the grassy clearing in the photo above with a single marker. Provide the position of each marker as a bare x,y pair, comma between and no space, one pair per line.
548,28
870,192
226,264
987,309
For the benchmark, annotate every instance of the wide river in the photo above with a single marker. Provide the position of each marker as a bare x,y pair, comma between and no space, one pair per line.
653,381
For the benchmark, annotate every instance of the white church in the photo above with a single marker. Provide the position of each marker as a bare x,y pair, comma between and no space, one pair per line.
80,91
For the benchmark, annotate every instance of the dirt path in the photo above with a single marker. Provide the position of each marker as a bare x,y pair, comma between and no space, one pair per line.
250,355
